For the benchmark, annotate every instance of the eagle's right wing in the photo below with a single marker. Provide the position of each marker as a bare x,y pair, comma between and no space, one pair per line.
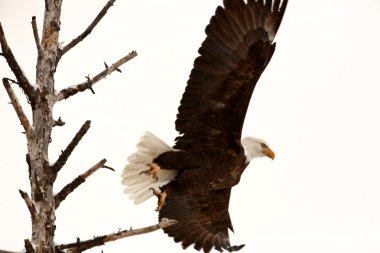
203,219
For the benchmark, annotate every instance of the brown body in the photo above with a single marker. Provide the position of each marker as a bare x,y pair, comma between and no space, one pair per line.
213,170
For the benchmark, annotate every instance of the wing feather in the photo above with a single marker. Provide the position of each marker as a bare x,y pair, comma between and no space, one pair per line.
203,218
236,15
238,47
218,28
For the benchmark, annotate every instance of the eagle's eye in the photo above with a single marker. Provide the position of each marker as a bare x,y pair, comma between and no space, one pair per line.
263,145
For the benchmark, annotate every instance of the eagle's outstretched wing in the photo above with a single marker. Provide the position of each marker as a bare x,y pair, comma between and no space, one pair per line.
203,219
237,49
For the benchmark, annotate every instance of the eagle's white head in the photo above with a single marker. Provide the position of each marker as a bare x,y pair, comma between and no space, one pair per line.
254,148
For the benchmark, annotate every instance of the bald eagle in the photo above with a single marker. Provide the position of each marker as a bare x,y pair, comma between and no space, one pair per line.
193,179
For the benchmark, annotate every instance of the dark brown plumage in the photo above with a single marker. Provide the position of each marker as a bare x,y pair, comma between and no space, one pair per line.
193,181
238,47
235,53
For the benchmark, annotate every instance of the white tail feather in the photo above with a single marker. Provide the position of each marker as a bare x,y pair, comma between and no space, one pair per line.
137,183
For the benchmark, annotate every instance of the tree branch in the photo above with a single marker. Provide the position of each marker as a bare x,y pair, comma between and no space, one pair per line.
59,122
29,166
16,69
72,90
16,105
62,159
37,40
81,246
28,246
7,251
69,188
29,204
89,29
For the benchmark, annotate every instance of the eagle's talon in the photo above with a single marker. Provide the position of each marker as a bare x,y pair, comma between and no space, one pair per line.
154,168
161,198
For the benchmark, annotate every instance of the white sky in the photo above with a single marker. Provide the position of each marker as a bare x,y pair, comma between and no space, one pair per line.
317,104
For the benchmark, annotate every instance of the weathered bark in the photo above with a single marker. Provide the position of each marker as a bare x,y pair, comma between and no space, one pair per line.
42,203
42,176
69,188
81,246
22,81
70,148
72,90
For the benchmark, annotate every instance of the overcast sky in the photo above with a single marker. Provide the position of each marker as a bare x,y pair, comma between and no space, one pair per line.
317,105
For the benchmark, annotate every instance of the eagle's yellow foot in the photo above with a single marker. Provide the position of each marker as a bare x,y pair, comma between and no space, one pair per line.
154,168
161,198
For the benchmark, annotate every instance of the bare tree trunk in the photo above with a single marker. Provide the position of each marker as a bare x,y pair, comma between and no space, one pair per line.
42,98
42,175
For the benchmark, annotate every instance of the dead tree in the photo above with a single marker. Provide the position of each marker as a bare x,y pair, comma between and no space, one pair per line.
42,97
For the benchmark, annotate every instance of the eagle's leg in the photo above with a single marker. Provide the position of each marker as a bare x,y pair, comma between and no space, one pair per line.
154,168
161,198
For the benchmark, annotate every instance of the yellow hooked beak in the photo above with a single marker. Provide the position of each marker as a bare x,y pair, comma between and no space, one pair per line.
268,152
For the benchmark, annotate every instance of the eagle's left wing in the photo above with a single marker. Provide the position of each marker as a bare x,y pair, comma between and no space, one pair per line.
203,219
238,47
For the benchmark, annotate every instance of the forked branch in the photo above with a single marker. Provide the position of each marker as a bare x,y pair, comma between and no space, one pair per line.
62,159
16,69
89,29
37,40
81,246
69,188
72,90
19,111
29,204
